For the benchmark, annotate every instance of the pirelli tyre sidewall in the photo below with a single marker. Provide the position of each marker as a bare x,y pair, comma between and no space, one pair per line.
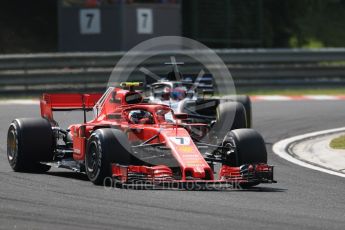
29,142
229,109
247,104
245,101
249,147
105,146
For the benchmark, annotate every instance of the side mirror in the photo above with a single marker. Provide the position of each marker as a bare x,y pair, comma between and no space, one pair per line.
207,92
180,116
115,116
113,98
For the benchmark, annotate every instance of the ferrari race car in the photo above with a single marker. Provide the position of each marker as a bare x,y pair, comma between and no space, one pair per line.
131,142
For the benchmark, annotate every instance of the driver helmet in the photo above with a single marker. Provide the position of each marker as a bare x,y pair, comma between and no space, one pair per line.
140,117
178,93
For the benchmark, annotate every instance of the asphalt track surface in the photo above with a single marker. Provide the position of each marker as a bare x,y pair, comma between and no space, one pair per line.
302,199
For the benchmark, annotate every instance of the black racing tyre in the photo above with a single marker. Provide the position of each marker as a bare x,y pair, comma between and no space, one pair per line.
29,142
104,147
249,147
247,104
230,116
206,107
203,107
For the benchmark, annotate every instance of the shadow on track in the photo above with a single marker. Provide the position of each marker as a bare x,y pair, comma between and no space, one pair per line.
262,189
70,175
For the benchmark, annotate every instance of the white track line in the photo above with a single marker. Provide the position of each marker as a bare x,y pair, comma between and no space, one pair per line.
321,97
19,102
297,98
273,98
280,148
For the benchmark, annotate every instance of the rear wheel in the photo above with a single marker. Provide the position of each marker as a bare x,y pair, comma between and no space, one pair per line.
29,142
105,146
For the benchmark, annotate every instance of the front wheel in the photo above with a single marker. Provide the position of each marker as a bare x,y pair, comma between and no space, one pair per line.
105,146
249,147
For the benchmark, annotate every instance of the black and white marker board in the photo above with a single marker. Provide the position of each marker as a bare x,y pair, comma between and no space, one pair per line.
90,21
115,27
144,21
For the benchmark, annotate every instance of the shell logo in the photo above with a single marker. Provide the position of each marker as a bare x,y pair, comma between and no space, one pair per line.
185,149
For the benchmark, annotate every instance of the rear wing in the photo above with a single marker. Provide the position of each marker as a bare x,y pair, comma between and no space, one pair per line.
67,102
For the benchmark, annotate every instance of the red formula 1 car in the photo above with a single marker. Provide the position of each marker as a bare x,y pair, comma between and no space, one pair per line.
130,142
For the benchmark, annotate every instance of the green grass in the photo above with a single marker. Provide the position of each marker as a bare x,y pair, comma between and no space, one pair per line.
338,143
293,92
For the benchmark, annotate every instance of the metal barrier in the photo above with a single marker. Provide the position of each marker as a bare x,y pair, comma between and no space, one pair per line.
36,73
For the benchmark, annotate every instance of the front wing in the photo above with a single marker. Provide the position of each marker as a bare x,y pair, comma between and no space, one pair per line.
162,176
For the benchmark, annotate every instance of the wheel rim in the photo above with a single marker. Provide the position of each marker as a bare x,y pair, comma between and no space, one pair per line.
93,160
231,153
231,146
12,146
